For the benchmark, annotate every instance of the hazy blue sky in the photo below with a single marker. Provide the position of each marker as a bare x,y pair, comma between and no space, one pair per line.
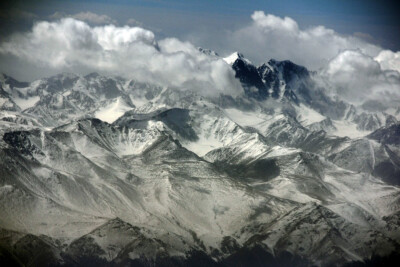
376,21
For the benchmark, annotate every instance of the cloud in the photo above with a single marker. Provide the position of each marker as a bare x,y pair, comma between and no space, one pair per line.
350,66
357,70
270,36
72,45
365,36
273,23
389,60
89,17
134,22
359,78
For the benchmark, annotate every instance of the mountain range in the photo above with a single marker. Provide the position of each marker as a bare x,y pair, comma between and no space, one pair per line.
107,171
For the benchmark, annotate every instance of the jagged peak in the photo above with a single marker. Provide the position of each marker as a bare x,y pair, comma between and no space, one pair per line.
64,75
286,64
274,62
3,76
92,75
208,51
6,79
231,59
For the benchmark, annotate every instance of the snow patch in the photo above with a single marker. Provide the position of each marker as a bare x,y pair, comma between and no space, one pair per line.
349,129
113,111
233,57
257,120
307,116
25,103
244,118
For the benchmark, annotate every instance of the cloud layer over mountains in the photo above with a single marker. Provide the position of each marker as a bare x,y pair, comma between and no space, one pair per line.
358,70
270,36
358,77
70,45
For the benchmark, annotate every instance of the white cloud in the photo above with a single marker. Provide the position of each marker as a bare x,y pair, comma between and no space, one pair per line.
389,60
273,23
133,52
115,38
358,70
89,17
270,36
358,78
94,18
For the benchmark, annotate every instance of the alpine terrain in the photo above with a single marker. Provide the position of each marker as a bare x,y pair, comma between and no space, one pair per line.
105,171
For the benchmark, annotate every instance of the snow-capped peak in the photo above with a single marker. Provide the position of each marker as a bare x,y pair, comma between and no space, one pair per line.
235,56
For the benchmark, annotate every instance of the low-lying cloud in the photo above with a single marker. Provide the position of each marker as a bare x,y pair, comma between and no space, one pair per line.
359,78
69,45
355,69
270,36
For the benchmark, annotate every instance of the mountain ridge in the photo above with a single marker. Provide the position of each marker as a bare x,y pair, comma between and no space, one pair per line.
108,171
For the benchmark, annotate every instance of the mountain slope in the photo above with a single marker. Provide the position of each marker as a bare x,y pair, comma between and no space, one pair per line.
101,171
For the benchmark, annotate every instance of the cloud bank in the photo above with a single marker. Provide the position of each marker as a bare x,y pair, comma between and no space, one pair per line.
389,60
132,52
270,36
359,78
355,69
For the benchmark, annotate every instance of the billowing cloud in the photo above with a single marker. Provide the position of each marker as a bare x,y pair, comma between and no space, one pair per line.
89,17
133,52
270,36
389,60
357,70
359,78
273,23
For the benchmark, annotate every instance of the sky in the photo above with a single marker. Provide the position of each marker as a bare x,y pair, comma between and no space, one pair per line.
374,20
354,44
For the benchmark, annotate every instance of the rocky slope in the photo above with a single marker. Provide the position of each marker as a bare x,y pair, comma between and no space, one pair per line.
98,170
